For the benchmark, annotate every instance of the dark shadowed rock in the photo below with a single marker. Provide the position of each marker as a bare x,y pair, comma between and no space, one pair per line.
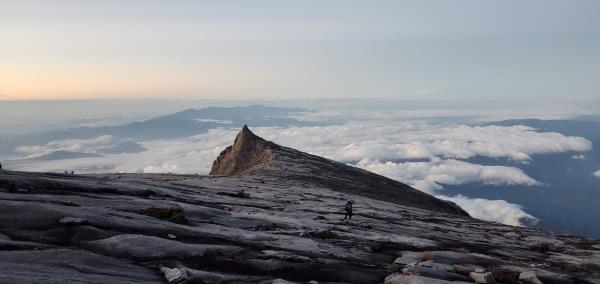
70,266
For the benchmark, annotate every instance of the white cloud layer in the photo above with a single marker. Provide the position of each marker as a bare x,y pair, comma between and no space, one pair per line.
186,155
375,145
442,144
597,173
73,145
493,210
428,176
392,140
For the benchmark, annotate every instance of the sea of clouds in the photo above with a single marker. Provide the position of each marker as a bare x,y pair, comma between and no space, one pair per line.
424,154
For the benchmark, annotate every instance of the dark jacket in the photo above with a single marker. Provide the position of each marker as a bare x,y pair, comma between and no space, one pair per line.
348,206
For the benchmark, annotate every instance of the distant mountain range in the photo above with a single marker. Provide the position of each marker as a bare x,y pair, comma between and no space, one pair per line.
61,154
589,129
181,124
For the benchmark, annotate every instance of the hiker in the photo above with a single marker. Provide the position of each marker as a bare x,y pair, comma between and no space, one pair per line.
348,208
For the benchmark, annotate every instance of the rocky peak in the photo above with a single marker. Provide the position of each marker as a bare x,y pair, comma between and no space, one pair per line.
252,155
247,153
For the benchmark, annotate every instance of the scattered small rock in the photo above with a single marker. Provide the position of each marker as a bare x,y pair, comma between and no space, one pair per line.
426,256
482,277
171,214
462,249
505,275
325,234
529,277
464,269
433,270
267,227
512,235
542,247
281,281
242,194
284,255
174,275
413,279
72,221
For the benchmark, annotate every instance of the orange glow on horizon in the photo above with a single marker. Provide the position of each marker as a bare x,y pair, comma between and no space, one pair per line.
126,82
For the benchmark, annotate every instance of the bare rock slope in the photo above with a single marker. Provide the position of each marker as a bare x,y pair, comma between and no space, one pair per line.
275,217
252,155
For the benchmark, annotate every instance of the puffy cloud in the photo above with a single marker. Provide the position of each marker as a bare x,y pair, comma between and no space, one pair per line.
186,155
493,210
597,173
73,145
390,140
215,120
349,142
578,157
427,176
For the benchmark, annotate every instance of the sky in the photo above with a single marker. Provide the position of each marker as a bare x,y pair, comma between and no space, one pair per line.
232,50
417,77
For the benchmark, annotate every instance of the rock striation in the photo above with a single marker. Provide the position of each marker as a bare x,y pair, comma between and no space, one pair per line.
268,215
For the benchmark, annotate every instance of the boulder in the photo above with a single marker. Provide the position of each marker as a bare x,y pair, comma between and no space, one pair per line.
72,221
174,275
433,270
464,269
281,281
529,277
414,279
482,277
140,247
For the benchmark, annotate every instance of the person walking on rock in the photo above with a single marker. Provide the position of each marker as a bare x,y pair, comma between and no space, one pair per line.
348,208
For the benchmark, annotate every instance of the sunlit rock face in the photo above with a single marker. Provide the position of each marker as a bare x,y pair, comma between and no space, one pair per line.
266,214
248,153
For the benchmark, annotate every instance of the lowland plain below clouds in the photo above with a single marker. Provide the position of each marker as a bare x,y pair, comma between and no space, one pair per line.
542,173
